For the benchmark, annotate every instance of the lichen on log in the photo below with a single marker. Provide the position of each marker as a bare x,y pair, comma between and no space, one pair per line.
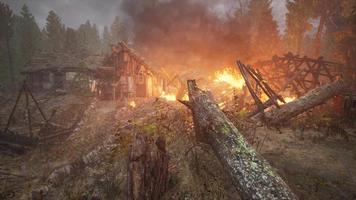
252,175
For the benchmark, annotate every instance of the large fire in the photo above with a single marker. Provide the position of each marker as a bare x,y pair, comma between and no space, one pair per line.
230,77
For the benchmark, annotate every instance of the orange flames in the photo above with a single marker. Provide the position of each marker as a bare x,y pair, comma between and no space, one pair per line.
168,97
230,77
132,104
289,99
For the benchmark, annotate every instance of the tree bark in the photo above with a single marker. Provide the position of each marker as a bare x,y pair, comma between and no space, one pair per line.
147,169
313,98
253,177
9,55
317,40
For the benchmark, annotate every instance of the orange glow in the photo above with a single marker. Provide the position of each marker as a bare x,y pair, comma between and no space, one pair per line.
230,77
185,97
132,104
264,97
168,97
221,105
289,99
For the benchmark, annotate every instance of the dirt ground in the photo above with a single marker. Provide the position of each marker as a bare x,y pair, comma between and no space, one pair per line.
90,162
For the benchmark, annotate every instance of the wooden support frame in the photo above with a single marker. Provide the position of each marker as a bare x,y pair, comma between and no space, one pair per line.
296,74
248,71
24,90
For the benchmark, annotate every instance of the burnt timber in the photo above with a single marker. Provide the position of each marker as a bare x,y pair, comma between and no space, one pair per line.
298,74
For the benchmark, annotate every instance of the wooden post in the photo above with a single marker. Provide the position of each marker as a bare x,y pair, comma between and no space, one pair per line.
28,114
13,110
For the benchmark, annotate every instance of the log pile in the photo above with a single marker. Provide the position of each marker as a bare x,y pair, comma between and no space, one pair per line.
147,169
253,177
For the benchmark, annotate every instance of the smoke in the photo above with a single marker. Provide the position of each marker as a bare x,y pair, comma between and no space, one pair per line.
187,34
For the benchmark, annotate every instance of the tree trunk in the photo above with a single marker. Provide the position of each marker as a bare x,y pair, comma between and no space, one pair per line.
147,169
11,68
317,41
253,177
313,98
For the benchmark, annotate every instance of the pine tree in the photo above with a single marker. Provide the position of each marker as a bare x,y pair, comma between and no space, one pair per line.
55,32
299,12
264,36
83,37
94,40
6,32
71,43
30,35
118,31
89,39
106,40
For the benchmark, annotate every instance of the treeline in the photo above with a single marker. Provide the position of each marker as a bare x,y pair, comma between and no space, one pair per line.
21,38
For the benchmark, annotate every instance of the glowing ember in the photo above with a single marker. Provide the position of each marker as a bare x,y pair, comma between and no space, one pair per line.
185,97
221,105
230,77
168,97
132,104
289,99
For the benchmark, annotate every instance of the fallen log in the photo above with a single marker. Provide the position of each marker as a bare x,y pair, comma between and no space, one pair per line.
253,177
310,100
147,169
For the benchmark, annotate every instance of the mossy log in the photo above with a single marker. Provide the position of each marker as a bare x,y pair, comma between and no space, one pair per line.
310,100
252,175
147,169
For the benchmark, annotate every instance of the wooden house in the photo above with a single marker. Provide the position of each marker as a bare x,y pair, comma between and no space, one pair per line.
47,71
126,75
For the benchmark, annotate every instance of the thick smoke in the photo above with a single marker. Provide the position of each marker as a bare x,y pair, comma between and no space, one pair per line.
187,34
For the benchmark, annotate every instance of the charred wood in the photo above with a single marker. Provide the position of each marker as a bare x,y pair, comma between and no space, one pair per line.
147,169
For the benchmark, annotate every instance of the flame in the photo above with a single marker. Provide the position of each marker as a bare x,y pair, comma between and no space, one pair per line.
185,97
132,104
222,105
289,99
168,97
264,97
230,77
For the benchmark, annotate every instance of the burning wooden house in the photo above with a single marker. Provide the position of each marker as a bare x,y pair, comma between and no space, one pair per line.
58,70
126,75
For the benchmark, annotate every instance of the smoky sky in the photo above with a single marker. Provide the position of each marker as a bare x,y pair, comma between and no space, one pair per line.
102,12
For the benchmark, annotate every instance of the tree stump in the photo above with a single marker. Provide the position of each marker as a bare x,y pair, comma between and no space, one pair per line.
147,169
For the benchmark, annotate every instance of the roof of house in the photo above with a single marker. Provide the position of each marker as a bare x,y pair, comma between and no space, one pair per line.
45,61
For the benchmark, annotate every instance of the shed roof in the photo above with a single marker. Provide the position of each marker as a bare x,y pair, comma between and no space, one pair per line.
62,61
